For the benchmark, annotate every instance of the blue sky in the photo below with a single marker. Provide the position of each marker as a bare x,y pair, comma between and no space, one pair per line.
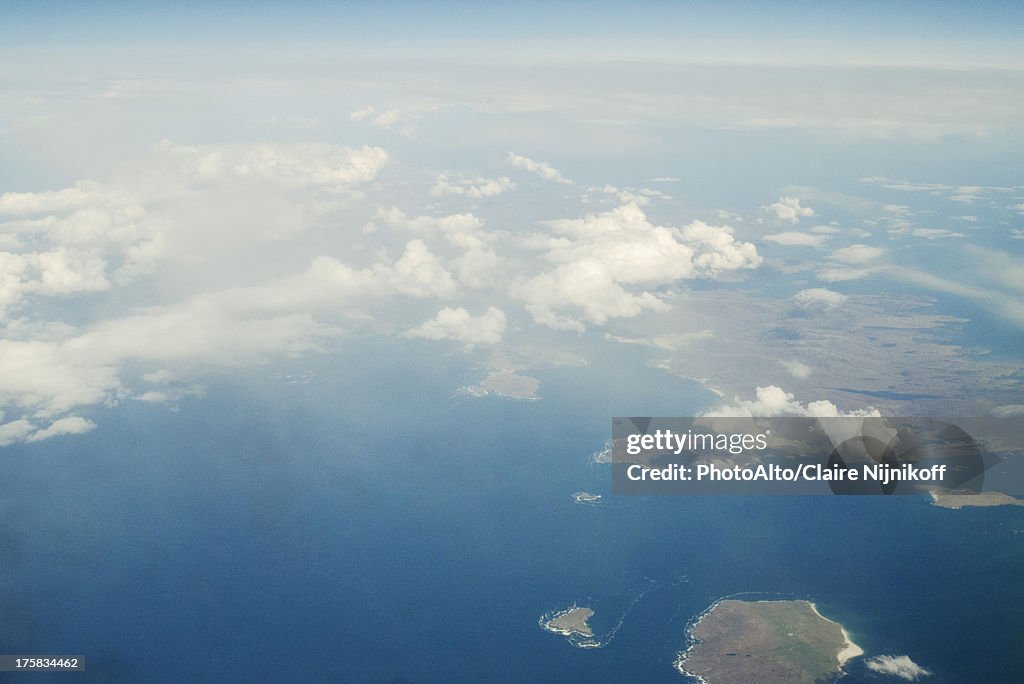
929,32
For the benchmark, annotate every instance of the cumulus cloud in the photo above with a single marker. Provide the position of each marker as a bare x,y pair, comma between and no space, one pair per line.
68,368
15,431
851,263
789,209
459,326
71,241
361,114
773,401
391,119
478,267
60,271
857,254
82,194
542,169
897,666
797,239
798,370
92,236
294,164
463,230
474,187
72,425
586,286
935,233
605,265
640,196
819,298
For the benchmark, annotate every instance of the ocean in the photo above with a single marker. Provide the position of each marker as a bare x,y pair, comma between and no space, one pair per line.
340,521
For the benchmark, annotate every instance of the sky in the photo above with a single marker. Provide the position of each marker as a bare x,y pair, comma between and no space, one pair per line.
892,32
798,207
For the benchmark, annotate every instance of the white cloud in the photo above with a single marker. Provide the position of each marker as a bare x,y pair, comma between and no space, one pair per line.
797,239
418,273
479,267
542,169
774,401
386,119
463,230
857,254
38,375
361,114
458,325
159,377
82,194
71,368
391,119
897,666
639,196
61,271
839,274
935,233
72,425
92,237
789,209
295,164
798,370
605,265
819,298
474,187
15,431
586,286
64,241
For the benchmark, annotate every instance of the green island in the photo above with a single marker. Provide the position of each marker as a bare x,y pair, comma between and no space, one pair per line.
765,641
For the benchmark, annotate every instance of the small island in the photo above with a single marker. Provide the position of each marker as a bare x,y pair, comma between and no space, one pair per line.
571,622
586,498
765,641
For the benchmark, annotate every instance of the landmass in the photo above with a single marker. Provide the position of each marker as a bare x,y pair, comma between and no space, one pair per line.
586,498
506,384
946,500
738,641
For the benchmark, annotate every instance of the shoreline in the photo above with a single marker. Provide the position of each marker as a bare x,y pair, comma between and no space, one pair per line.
850,649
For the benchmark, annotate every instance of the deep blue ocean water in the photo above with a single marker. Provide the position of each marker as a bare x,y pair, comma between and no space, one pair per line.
372,526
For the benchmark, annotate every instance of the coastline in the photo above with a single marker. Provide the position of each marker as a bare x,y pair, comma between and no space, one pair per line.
680,662
850,649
